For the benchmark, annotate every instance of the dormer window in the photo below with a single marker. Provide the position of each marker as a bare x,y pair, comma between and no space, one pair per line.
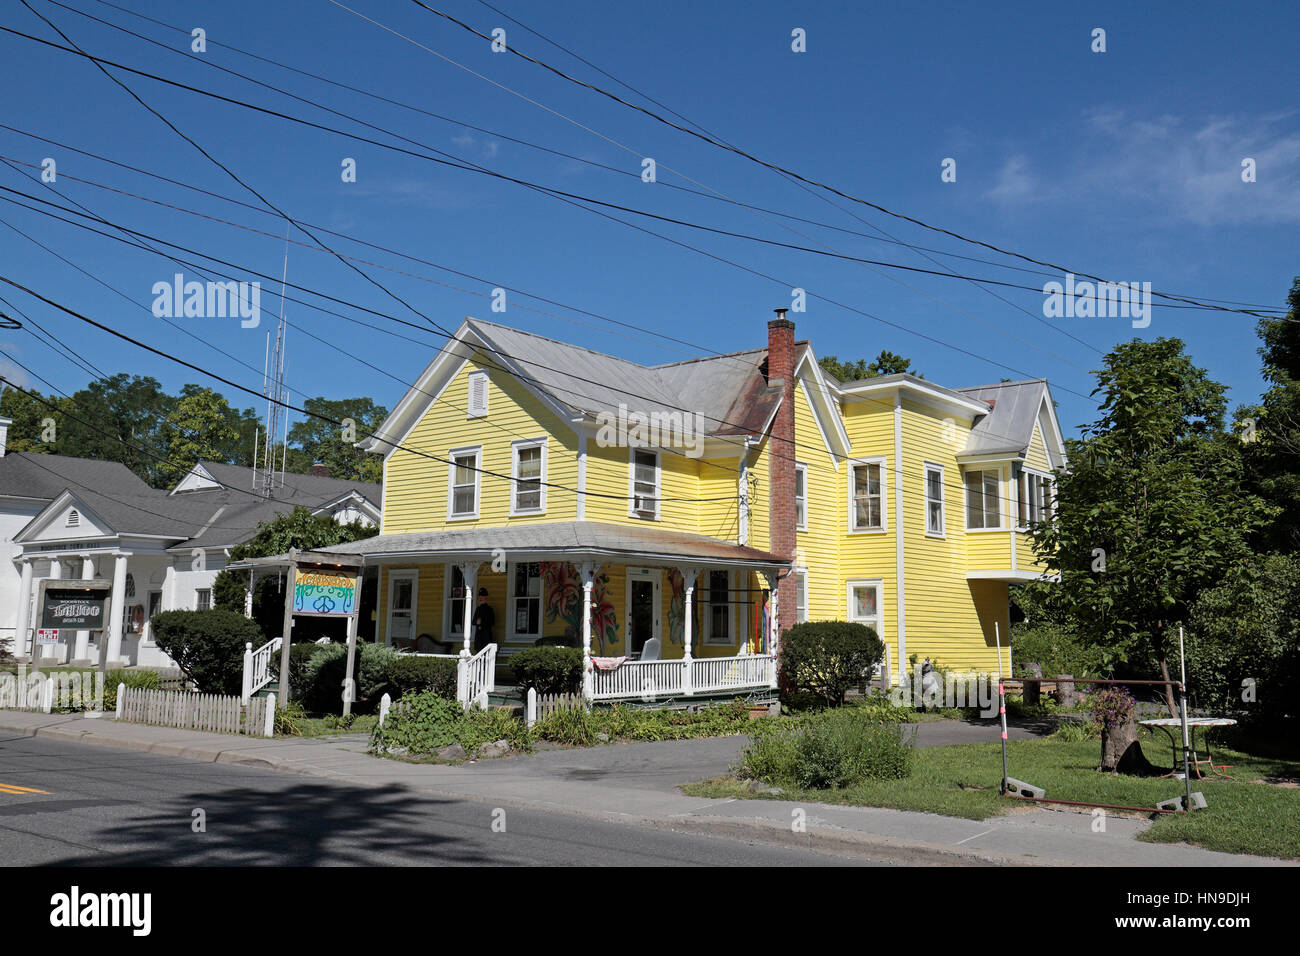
478,394
74,518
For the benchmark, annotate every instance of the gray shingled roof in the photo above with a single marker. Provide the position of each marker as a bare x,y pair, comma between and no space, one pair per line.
25,474
563,536
1009,425
306,490
210,519
730,391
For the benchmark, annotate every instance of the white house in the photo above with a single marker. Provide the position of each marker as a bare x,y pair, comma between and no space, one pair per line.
75,518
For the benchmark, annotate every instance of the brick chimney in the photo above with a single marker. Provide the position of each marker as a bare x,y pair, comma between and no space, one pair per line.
780,459
319,471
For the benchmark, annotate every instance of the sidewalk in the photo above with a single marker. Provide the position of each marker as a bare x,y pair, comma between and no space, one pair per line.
636,784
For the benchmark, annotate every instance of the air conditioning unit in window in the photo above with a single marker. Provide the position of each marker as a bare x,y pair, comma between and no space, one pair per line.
643,506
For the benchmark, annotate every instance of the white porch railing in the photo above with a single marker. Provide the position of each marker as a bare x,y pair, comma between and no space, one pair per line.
638,679
257,667
649,679
475,677
711,674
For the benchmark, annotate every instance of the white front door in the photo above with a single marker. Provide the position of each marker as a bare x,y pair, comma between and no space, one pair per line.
643,607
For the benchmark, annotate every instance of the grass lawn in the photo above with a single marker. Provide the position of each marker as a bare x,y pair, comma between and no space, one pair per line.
329,727
1244,815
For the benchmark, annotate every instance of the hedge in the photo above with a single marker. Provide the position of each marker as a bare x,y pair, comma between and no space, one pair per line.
826,658
208,646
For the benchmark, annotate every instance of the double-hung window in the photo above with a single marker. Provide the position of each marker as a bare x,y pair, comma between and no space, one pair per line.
528,493
983,494
801,496
801,598
934,500
463,483
867,496
645,483
864,600
1035,498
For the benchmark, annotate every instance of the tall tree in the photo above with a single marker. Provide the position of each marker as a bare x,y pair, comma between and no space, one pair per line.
1270,431
36,426
123,417
334,446
200,425
1153,508
886,363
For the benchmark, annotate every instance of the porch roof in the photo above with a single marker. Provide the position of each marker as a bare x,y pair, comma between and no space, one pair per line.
568,539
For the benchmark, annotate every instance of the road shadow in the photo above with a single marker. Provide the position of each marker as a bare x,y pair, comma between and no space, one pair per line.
304,824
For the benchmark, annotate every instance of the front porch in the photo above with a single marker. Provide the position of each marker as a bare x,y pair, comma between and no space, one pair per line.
659,616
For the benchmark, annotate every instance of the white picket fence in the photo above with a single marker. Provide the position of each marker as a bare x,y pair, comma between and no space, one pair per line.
539,706
186,711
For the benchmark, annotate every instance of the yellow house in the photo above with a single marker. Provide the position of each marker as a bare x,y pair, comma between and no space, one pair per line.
673,520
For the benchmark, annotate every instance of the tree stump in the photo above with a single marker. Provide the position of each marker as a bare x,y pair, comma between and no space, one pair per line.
1066,696
1032,691
1122,753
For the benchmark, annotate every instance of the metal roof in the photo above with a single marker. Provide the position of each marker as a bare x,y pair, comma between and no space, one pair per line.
1009,425
571,538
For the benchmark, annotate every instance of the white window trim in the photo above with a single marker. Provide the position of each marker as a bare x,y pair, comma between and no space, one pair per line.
943,502
1021,524
477,452
706,624
515,448
516,636
402,574
631,483
879,585
475,376
801,469
884,495
1004,523
803,588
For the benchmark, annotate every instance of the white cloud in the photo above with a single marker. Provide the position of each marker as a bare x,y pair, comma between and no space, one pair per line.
1191,168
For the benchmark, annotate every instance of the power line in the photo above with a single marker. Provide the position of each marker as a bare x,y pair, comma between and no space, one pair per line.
773,166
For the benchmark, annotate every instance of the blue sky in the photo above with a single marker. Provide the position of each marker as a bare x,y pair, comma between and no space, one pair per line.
1125,163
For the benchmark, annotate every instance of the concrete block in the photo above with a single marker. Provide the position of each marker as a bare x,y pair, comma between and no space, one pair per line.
1021,789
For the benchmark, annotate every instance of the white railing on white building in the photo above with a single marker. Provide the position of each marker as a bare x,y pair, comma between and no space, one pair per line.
257,667
711,674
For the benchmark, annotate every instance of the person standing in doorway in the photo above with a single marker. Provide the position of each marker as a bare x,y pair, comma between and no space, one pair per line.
483,621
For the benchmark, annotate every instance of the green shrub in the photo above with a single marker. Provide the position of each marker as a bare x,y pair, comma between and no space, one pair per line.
137,680
424,723
408,674
1056,648
300,655
208,646
826,658
326,670
551,670
830,750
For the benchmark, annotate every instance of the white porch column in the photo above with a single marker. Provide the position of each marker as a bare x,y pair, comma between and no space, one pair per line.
248,595
773,628
689,577
38,652
118,603
469,574
81,649
24,604
588,571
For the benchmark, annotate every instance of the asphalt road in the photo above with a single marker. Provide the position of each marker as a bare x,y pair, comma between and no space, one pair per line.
102,807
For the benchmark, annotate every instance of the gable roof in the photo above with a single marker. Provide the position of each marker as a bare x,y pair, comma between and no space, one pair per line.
307,490
25,474
730,391
1015,409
